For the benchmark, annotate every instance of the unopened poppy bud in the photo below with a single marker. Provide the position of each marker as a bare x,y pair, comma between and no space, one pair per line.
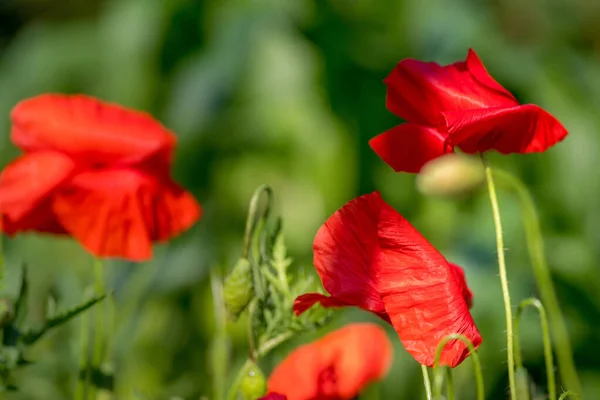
451,175
238,289
253,385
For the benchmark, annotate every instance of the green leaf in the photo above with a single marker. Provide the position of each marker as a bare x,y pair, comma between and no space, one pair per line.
32,336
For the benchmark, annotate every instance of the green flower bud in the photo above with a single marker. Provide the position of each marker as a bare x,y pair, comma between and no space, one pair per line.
451,175
253,385
238,289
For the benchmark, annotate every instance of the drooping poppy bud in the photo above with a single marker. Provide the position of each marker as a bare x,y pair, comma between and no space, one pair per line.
238,289
451,175
254,384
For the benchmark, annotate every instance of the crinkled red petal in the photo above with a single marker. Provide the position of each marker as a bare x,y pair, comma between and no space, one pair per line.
26,186
420,91
521,129
90,131
408,147
119,213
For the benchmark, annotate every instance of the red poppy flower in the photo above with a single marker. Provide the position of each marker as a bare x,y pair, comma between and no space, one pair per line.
369,256
94,171
457,105
335,367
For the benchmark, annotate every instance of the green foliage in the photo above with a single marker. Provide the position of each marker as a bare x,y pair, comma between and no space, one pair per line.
17,337
290,92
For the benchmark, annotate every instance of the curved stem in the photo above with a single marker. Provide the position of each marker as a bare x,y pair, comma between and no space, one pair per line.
503,277
473,355
535,246
426,382
252,218
533,302
569,393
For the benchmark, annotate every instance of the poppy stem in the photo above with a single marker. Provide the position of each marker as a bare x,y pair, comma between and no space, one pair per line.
503,277
439,379
219,348
569,393
533,302
99,313
535,246
83,372
449,384
426,382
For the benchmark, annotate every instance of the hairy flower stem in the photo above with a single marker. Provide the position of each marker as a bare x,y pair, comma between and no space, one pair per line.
535,246
533,302
426,381
503,278
569,394
438,377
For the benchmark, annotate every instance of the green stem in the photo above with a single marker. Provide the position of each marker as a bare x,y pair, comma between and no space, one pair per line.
535,246
98,350
83,380
219,356
449,384
533,302
426,382
569,393
503,277
472,354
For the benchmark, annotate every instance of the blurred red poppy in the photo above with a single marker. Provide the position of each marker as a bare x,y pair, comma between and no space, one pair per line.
457,105
371,257
335,367
95,171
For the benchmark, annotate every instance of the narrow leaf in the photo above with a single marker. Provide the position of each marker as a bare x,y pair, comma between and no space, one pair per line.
32,336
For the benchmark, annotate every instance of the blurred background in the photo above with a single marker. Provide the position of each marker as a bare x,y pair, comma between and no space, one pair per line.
288,92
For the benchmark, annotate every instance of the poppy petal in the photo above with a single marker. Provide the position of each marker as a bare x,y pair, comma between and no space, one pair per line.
419,91
522,129
25,187
369,256
344,250
89,130
306,301
119,213
407,147
336,366
466,292
422,292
